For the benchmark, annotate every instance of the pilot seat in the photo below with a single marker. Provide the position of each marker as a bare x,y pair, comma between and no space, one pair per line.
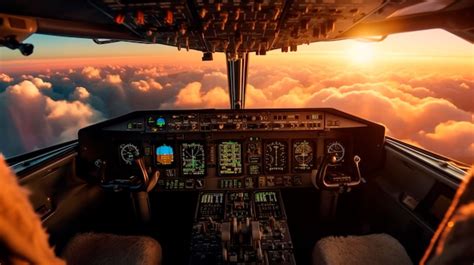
363,250
105,249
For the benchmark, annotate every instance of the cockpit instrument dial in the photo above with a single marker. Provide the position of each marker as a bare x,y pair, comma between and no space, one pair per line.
276,157
303,155
336,149
128,153
193,159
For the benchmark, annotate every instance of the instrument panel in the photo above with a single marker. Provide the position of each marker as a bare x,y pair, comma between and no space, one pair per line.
226,149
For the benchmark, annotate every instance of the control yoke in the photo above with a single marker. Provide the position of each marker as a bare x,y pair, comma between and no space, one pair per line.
135,183
331,176
148,182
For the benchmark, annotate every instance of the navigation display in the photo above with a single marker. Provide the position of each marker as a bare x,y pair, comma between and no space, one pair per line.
164,155
303,155
193,159
230,158
276,157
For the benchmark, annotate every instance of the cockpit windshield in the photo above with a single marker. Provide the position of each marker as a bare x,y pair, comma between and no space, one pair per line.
419,85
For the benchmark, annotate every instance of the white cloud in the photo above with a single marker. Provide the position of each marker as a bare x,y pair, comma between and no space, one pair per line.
6,78
35,120
91,72
39,83
189,96
146,85
431,110
113,79
24,89
81,93
456,136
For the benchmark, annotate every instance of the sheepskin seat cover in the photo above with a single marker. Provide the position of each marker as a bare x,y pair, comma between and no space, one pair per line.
109,249
23,240
376,249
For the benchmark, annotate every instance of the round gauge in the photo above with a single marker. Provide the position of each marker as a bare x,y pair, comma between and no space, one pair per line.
128,153
276,156
337,150
303,153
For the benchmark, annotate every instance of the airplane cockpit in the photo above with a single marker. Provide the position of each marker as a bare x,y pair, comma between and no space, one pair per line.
238,164
247,186
259,186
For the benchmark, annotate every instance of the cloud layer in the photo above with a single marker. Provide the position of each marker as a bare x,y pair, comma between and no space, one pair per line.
31,119
431,107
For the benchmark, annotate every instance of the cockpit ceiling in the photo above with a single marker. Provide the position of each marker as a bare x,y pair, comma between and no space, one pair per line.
238,26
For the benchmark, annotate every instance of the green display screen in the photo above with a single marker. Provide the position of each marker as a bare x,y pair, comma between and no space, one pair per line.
230,158
193,159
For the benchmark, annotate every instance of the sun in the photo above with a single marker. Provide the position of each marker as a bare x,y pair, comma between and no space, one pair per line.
361,53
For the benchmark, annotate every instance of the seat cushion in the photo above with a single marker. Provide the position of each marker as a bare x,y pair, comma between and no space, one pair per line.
105,249
360,250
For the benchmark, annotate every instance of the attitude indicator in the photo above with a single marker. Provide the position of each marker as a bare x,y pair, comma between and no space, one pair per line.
303,155
164,155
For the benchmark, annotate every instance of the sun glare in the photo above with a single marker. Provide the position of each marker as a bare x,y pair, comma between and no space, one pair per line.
361,53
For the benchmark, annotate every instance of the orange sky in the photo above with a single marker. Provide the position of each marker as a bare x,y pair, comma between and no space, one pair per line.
59,52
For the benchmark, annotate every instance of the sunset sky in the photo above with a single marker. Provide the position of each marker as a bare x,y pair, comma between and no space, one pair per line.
419,85
60,51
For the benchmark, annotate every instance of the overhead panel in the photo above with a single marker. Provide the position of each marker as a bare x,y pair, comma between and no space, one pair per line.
236,26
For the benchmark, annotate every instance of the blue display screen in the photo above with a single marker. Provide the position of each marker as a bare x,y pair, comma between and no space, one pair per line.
164,155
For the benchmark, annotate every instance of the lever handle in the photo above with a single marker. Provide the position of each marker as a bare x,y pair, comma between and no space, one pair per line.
153,181
357,160
141,164
322,171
